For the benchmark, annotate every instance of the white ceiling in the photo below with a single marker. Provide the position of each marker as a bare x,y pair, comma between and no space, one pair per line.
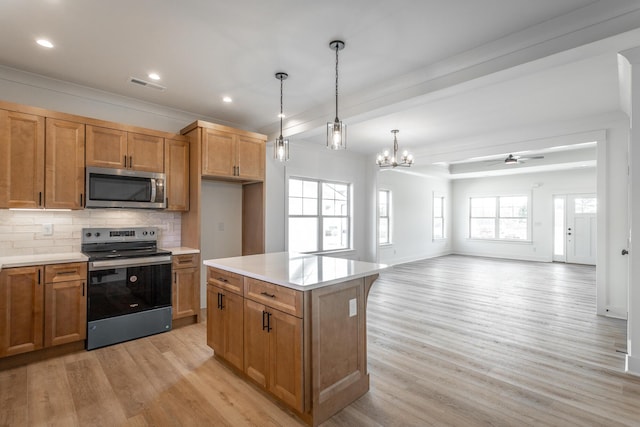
438,70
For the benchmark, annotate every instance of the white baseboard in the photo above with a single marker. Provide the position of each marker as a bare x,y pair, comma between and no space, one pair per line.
615,312
418,258
633,365
504,256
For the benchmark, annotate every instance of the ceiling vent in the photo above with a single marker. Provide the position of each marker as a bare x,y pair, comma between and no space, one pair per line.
144,83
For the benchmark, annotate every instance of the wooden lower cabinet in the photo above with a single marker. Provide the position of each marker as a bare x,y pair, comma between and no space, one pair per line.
186,286
42,306
21,310
225,324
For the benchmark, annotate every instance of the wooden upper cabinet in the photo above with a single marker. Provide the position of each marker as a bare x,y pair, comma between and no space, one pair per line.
21,309
250,158
106,148
113,148
64,154
21,160
230,155
176,167
218,153
146,152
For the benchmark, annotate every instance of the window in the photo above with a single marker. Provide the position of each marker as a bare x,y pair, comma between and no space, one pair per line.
319,215
438,217
504,218
384,217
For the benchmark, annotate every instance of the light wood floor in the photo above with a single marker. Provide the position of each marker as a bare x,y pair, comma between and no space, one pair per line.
452,341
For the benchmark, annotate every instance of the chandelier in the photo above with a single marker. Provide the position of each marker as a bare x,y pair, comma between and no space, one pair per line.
384,161
281,145
336,130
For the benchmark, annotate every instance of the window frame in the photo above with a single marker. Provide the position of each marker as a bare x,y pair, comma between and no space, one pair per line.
497,218
442,216
320,216
388,217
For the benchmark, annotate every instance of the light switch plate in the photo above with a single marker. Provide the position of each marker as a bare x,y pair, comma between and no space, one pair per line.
353,307
47,229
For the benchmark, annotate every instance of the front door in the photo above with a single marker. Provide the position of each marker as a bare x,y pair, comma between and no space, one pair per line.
581,232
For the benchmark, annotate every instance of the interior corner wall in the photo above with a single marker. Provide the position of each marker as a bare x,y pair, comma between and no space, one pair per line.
310,160
541,187
412,216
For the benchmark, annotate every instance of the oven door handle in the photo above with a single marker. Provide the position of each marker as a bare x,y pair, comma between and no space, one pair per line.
129,262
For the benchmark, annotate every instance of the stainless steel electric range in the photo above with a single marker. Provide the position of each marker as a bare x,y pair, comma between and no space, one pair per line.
129,284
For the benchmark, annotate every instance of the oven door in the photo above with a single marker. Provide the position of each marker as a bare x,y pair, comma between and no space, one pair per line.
124,286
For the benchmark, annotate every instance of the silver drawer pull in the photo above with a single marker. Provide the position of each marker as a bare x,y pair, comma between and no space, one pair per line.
222,279
266,294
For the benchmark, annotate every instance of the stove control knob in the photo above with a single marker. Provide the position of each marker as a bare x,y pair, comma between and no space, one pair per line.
144,233
98,234
88,234
152,232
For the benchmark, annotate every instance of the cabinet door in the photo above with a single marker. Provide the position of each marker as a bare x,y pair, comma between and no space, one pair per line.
233,307
215,320
250,158
64,153
176,166
185,291
65,311
106,148
21,160
218,153
256,343
146,152
285,358
21,310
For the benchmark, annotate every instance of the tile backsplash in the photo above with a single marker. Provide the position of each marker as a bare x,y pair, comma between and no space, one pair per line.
22,232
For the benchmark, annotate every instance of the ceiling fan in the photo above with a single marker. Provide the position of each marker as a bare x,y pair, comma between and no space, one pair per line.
512,160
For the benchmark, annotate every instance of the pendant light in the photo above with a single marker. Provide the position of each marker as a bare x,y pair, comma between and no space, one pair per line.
281,145
384,161
336,130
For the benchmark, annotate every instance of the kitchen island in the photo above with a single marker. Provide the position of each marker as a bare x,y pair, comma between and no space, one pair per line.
295,325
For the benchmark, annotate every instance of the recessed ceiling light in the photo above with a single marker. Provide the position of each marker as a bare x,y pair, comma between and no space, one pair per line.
154,76
44,43
227,99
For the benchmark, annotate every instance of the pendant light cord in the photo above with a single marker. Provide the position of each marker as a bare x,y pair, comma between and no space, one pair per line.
281,80
337,49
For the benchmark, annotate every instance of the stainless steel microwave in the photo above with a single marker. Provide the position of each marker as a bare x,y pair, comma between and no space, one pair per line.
123,188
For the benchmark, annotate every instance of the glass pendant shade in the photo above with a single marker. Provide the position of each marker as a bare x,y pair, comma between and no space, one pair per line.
281,149
336,130
336,135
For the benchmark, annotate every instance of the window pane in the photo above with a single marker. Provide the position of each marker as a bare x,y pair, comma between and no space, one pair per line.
295,188
438,229
482,228
383,210
588,205
295,206
303,234
310,189
335,234
384,230
310,206
483,207
558,226
514,207
513,229
437,207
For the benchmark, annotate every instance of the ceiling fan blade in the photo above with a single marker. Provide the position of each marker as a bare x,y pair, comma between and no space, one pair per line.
532,158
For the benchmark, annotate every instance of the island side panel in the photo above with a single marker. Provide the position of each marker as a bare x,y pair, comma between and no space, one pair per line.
339,334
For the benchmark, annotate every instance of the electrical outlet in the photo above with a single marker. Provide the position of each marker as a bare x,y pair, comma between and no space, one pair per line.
47,229
353,307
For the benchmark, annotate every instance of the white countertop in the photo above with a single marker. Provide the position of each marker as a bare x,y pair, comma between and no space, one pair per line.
182,250
297,271
42,259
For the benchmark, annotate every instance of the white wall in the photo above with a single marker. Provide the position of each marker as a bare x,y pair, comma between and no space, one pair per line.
316,161
540,187
411,216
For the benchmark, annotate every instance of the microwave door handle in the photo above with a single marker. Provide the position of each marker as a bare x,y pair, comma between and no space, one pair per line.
153,190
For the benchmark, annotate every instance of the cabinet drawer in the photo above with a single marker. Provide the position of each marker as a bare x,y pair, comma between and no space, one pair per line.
225,279
279,297
55,273
184,261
